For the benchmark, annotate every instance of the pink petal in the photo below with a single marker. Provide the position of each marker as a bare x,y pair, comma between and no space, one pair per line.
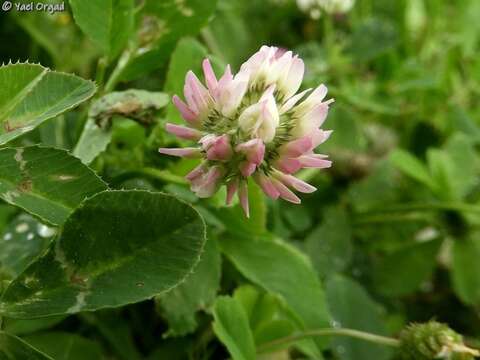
267,186
247,168
232,187
295,77
254,150
232,94
187,152
210,77
289,165
319,93
296,183
196,94
320,136
195,173
186,112
292,101
183,131
286,193
220,148
209,183
243,197
298,147
317,115
314,161
224,81
269,92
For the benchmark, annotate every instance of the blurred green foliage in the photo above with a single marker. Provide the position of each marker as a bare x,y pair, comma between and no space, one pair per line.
393,231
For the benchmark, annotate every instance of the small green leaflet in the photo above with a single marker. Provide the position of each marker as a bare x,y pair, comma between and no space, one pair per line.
46,182
31,94
108,23
117,248
232,328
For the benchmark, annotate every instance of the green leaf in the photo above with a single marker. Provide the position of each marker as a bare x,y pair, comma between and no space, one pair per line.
372,38
138,105
352,307
377,190
281,269
46,182
108,23
65,346
188,55
22,241
268,316
465,164
348,133
93,141
13,348
443,172
465,269
198,292
231,327
118,247
404,270
330,244
24,327
31,94
116,330
168,21
238,224
411,166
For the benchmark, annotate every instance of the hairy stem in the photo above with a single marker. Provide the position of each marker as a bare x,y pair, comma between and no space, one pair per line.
118,71
382,340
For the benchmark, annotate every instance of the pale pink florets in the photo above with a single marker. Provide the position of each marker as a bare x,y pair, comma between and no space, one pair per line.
252,125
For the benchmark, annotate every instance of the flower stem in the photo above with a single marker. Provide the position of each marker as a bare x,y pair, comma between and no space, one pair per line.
100,74
463,207
118,71
357,334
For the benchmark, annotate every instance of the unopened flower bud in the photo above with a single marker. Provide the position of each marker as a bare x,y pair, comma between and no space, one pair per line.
433,340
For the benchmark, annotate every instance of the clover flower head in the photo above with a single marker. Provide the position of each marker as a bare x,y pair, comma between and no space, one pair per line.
252,125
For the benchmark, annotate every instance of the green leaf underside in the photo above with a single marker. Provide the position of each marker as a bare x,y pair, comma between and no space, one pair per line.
46,182
277,267
65,346
118,247
31,94
411,166
13,348
93,141
465,269
108,23
197,292
404,270
352,307
232,328
172,20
